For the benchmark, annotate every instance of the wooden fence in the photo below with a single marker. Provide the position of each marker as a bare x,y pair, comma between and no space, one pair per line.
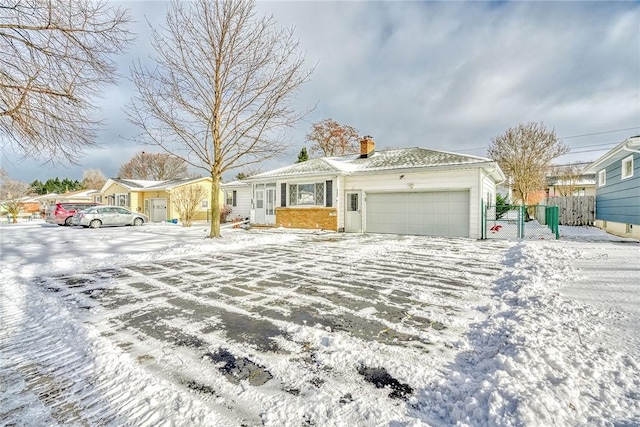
574,210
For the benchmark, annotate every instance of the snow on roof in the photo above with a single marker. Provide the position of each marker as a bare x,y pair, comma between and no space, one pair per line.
406,158
236,183
153,185
136,183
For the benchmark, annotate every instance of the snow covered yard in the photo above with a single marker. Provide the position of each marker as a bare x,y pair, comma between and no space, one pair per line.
156,325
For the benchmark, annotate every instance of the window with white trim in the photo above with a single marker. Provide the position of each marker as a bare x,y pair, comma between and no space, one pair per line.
602,177
204,204
306,194
627,167
122,200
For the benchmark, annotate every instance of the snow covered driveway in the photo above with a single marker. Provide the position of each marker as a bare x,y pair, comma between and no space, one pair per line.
157,326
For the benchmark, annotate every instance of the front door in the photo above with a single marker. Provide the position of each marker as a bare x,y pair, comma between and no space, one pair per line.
353,212
270,206
260,211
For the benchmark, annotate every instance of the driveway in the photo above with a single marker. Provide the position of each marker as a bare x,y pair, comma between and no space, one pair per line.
344,320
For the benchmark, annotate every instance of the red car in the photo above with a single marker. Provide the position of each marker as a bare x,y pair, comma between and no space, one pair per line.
62,213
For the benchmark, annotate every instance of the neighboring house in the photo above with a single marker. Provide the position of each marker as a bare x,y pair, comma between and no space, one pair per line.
238,198
404,191
153,198
69,197
30,206
582,185
618,189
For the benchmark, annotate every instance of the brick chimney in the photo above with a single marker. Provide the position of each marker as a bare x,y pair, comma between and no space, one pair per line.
367,146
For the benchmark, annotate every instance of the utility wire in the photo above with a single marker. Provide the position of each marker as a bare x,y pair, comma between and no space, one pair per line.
599,133
573,136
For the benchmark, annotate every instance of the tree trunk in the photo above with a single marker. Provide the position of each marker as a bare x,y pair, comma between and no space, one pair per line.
215,206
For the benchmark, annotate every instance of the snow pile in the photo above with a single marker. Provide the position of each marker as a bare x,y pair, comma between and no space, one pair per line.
538,359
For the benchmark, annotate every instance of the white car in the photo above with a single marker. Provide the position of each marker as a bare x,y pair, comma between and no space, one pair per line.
108,216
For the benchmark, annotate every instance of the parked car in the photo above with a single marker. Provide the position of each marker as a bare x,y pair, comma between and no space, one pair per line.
108,216
62,213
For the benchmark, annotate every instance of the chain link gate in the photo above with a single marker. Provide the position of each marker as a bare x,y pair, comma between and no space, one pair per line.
520,222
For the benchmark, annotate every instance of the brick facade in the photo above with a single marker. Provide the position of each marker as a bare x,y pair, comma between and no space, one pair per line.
313,218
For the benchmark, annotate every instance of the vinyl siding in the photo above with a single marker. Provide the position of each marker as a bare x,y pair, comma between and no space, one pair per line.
619,199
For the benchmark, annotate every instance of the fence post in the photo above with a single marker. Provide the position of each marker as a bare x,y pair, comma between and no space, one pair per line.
556,220
521,217
483,220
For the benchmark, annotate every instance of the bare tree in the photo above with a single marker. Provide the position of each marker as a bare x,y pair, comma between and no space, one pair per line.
12,195
93,179
55,56
187,199
330,138
154,166
222,89
525,153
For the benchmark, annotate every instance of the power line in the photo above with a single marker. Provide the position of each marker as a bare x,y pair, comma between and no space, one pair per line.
588,151
599,133
574,136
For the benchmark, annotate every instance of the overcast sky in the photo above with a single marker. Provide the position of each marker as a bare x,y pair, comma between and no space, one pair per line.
440,75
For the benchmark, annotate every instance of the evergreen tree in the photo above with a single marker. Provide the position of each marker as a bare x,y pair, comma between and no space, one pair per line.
303,156
37,187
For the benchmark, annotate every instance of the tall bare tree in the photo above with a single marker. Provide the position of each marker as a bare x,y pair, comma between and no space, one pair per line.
524,153
330,138
154,166
93,179
55,57
187,199
222,89
12,194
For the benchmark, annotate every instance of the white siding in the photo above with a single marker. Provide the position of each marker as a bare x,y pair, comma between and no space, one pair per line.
243,201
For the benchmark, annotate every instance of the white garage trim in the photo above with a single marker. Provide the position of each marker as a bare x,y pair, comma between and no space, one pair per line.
433,213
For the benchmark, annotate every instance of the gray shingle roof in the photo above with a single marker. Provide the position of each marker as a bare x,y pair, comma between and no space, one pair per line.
405,158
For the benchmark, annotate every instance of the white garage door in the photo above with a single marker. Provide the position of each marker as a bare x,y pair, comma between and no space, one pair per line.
443,213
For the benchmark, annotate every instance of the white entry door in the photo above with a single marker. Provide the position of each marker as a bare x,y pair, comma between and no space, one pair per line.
260,211
270,205
353,212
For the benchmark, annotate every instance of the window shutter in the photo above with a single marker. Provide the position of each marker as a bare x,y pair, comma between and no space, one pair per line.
329,196
283,195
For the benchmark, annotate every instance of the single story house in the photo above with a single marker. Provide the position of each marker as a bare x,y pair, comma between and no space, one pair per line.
581,185
618,189
69,197
153,198
403,191
238,199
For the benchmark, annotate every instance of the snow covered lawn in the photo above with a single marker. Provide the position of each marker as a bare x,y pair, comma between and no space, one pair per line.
157,325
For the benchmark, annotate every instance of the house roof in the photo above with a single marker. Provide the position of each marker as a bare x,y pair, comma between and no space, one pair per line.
625,148
139,184
236,183
379,161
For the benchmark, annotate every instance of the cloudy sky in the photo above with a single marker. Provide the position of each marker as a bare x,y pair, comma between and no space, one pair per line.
439,75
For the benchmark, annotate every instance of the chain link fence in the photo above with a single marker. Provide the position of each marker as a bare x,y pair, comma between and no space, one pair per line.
520,222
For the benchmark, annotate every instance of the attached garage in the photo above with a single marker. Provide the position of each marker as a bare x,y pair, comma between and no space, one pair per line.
438,213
